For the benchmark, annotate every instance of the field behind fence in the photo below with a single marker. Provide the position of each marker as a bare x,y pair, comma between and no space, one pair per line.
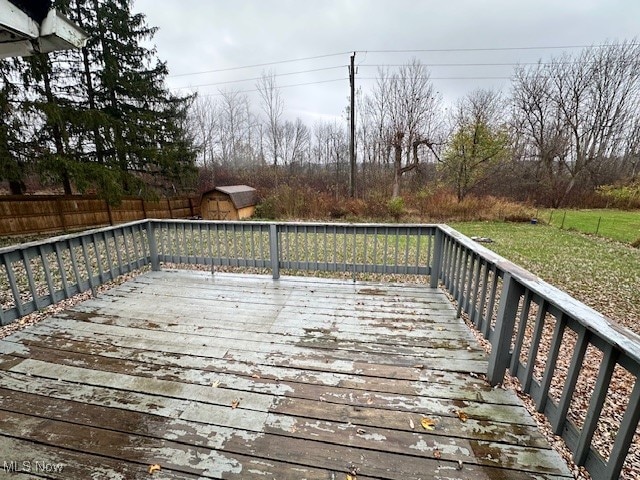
31,214
620,225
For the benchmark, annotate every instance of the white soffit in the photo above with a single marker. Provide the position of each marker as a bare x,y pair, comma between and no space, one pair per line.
20,35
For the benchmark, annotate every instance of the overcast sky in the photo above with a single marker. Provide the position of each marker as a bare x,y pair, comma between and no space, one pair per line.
204,35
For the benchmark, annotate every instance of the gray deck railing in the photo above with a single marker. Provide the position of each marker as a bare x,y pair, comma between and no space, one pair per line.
528,322
38,274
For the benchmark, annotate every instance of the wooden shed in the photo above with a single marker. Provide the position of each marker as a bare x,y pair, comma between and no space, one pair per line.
233,202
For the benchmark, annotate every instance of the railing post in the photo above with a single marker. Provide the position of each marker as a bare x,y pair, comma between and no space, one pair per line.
500,348
153,246
274,251
436,266
625,435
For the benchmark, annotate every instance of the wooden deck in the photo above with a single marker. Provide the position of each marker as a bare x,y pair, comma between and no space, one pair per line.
231,376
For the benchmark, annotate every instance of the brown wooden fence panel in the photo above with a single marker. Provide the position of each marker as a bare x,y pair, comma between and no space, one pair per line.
36,214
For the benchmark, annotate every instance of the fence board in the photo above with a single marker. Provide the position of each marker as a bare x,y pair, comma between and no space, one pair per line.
29,214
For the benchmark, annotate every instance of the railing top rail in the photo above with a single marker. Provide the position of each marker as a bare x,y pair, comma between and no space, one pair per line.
62,238
303,224
614,334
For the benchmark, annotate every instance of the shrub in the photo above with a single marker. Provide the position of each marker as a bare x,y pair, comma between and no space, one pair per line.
266,209
622,196
396,208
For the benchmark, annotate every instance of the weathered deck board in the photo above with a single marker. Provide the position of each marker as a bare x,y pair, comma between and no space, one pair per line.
330,376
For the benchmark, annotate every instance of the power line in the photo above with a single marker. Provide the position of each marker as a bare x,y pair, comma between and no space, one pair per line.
505,64
257,78
260,64
487,49
443,78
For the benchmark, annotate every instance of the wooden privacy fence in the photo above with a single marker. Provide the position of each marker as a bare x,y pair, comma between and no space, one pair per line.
567,356
29,214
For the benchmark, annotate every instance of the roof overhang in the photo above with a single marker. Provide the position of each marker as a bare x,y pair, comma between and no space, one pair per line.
21,35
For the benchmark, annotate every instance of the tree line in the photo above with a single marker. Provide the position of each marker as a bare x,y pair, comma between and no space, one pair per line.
100,118
565,127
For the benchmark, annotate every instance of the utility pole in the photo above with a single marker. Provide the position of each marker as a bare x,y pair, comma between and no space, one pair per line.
352,140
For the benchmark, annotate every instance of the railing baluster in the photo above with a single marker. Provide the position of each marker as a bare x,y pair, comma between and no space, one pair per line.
486,330
477,321
418,245
62,269
474,286
13,284
127,256
522,325
32,284
538,328
375,249
468,290
625,434
557,423
47,272
236,253
85,255
552,359
105,237
74,263
406,252
595,405
98,259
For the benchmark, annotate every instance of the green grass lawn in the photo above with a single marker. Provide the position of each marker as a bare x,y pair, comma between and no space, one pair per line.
620,225
602,273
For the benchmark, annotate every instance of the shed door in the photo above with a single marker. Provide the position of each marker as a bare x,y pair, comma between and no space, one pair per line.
222,209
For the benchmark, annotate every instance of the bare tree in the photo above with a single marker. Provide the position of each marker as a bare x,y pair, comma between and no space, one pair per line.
406,105
294,142
576,113
204,129
272,106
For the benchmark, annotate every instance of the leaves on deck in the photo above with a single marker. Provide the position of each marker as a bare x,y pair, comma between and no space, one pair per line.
216,384
428,423
153,468
437,454
235,403
462,415
411,424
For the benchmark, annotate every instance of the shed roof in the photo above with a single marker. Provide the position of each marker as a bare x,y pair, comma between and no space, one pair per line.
241,195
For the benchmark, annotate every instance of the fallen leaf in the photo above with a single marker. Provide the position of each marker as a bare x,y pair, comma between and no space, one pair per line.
437,454
216,384
459,466
427,423
235,403
350,477
369,401
360,431
255,375
153,468
411,424
462,416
